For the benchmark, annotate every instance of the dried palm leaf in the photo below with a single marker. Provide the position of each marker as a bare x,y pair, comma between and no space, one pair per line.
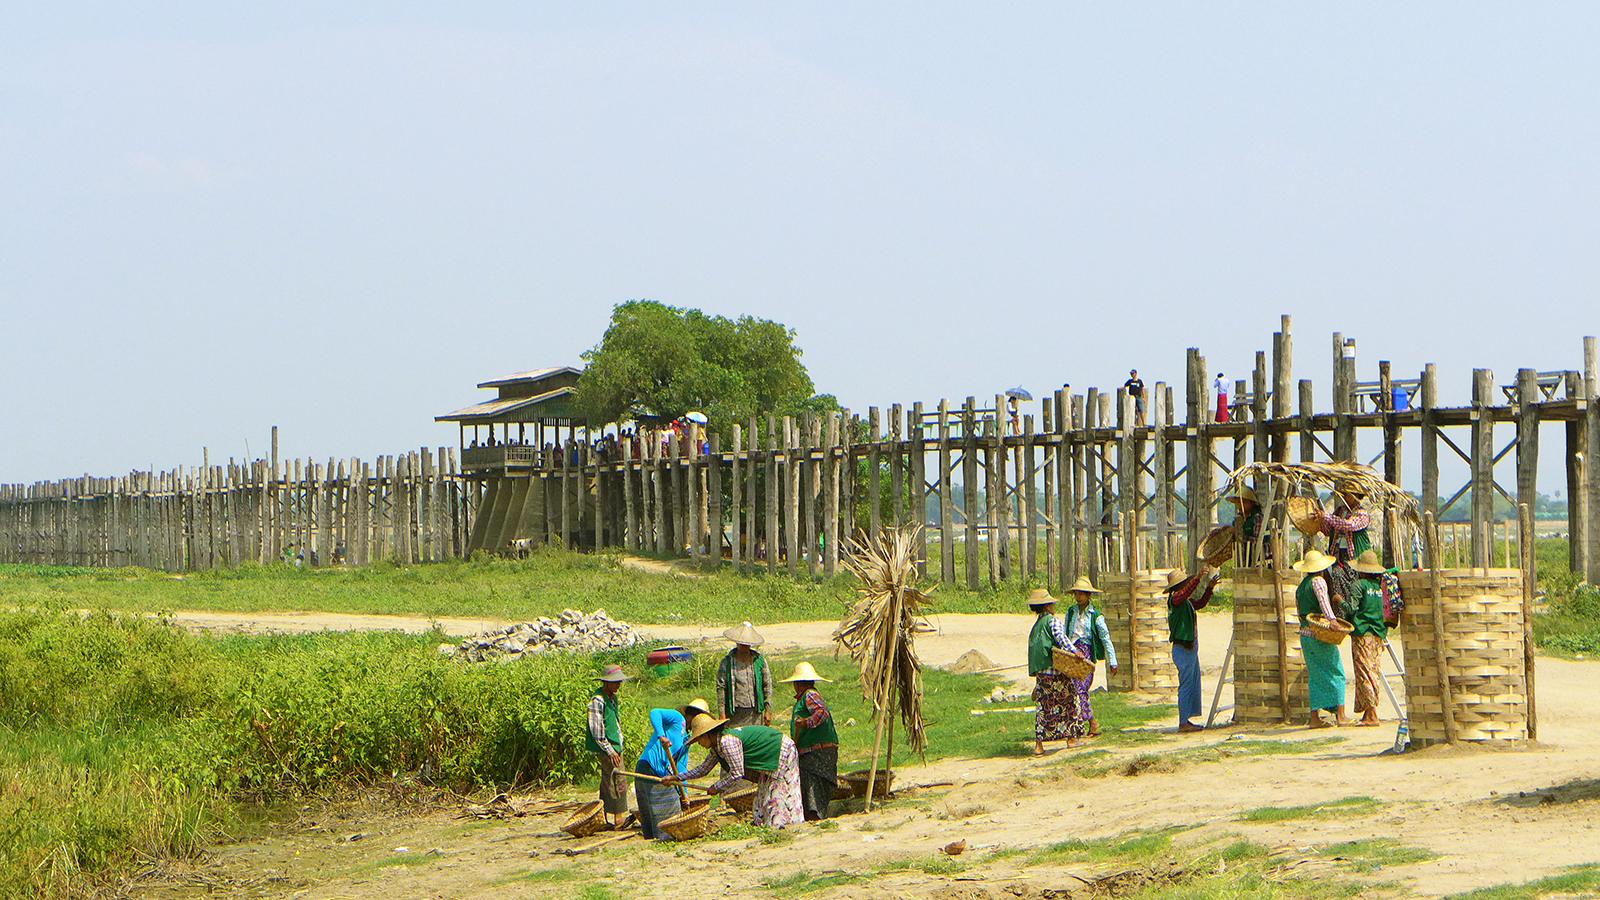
879,629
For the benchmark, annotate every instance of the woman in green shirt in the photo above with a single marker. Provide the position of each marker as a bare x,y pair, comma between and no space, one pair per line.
1368,634
811,727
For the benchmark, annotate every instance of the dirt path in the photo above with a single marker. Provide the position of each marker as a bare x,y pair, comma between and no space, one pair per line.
1489,815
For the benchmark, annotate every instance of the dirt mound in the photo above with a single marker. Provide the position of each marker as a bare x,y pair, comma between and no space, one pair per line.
971,661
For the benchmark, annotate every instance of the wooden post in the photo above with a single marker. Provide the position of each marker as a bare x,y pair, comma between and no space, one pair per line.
1446,701
1078,511
1095,472
897,466
1482,468
735,498
714,502
1528,439
1429,392
1127,484
1062,517
752,470
992,521
1525,538
1051,561
917,473
774,546
1160,418
1282,382
830,515
1577,494
969,488
1591,421
874,448
791,454
947,521
808,488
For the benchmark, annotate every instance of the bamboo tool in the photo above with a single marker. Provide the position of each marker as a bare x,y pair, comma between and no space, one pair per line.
673,762
681,784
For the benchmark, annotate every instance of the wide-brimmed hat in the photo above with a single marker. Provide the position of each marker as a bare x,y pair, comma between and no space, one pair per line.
702,724
1313,561
1245,492
1369,563
804,672
1040,597
1083,586
612,673
697,705
1175,578
744,633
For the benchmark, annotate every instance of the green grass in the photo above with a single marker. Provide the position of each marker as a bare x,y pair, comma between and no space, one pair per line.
1376,853
1095,764
1581,880
1355,806
802,882
1128,846
541,876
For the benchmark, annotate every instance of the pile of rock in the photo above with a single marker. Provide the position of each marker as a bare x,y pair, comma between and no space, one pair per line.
572,631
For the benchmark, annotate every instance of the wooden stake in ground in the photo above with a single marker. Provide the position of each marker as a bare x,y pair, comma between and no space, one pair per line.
1446,702
879,631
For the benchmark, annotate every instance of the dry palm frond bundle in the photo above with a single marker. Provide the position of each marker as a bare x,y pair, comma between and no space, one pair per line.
1334,476
879,630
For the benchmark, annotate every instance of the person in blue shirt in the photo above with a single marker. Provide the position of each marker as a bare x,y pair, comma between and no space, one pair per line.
666,753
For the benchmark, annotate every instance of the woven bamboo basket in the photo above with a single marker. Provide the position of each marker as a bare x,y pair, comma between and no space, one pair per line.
1144,664
1304,512
1070,664
1258,625
743,800
1484,662
1328,631
691,823
586,821
858,783
1217,548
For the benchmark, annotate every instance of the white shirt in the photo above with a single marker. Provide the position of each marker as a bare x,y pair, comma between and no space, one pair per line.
1221,386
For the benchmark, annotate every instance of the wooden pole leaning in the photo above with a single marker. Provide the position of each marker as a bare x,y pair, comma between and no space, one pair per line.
1447,704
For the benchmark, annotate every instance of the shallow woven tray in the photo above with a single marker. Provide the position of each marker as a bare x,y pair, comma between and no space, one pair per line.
586,821
1304,512
1329,632
691,823
1070,664
858,782
1217,548
743,800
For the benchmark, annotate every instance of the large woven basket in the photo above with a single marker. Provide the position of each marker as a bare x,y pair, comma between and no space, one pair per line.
691,823
1305,513
1217,548
742,800
1331,632
586,821
858,782
1071,664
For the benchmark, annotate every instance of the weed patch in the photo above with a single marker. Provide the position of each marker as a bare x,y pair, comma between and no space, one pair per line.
1351,806
1584,879
1370,855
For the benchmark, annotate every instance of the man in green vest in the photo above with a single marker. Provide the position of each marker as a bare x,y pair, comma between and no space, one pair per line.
603,738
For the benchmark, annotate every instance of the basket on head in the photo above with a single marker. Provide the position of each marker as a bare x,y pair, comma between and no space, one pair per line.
586,821
1330,632
1217,548
743,800
859,778
1070,664
690,824
1305,513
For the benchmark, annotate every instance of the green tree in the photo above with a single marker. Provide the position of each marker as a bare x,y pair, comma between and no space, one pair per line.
661,361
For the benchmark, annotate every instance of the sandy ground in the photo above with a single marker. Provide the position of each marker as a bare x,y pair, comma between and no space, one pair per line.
1492,816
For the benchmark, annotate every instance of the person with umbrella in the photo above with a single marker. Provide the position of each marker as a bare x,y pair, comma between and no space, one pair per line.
1013,397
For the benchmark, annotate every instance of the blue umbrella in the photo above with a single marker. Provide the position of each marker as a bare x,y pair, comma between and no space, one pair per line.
698,418
1019,393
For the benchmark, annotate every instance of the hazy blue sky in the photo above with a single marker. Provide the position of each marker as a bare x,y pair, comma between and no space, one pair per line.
338,218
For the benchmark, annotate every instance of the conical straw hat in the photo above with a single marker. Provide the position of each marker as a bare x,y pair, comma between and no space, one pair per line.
804,672
744,633
701,724
1040,597
1313,561
1084,586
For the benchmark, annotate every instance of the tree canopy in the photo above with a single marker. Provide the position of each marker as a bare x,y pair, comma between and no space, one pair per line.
662,361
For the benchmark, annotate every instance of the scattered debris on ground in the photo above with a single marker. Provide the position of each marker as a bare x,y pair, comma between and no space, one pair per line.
572,632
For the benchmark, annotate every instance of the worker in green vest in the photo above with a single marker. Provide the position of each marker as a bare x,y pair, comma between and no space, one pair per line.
1087,636
603,738
815,740
760,753
744,680
1052,690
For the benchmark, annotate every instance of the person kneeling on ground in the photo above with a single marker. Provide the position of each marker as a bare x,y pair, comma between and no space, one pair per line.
1185,597
1090,638
603,738
666,753
815,740
757,752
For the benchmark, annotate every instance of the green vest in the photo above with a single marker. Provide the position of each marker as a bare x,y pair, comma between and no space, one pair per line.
758,667
1305,599
613,727
1040,640
1369,613
762,744
822,733
1097,646
1181,620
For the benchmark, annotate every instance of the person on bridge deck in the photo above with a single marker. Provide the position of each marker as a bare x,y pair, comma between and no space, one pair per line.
760,753
1135,388
811,727
1221,387
1186,595
1090,638
744,680
1053,700
1324,670
1368,635
666,753
603,737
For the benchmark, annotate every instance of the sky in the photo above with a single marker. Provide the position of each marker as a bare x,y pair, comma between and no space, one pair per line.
337,218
